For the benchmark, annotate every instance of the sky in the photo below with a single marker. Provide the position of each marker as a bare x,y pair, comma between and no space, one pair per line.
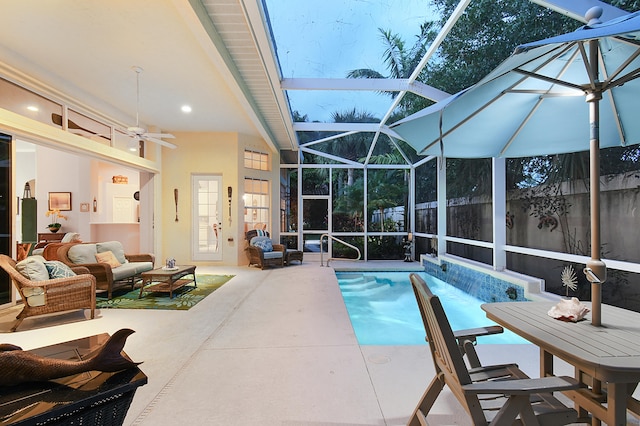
329,38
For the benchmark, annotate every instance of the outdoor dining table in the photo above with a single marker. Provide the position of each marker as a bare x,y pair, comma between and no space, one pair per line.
606,358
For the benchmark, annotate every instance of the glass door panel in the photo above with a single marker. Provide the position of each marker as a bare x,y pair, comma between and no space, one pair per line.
315,222
207,217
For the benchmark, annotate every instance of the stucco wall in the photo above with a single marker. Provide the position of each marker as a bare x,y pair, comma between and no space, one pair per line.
216,154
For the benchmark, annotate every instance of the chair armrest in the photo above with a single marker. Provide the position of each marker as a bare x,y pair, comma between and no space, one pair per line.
140,257
79,270
56,283
101,271
467,339
523,386
472,333
279,247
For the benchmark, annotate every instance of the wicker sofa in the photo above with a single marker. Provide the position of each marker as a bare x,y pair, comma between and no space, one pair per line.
261,250
43,295
125,271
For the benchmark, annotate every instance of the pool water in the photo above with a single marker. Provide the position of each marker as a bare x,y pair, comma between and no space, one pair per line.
383,309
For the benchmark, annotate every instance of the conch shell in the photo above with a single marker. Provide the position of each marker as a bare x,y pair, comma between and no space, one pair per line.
569,310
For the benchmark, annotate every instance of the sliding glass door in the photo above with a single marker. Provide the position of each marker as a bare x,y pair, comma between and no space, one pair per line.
6,210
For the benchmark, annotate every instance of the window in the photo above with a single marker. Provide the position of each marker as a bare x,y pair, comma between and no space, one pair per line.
256,203
256,160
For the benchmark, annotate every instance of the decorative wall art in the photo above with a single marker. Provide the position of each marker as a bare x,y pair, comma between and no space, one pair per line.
60,201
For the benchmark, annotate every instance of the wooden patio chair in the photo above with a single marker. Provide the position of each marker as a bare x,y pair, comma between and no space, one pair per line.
495,395
53,295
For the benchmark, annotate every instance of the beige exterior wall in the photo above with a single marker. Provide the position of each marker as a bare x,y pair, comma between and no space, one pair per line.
219,154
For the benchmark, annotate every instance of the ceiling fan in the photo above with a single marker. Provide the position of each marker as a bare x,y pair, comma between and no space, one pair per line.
141,133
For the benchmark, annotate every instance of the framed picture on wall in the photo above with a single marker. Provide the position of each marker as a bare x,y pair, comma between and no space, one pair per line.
60,201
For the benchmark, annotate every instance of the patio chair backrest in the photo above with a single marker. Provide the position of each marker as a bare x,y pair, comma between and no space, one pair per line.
255,233
442,342
447,358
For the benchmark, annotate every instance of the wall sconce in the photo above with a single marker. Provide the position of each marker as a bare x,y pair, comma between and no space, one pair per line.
229,193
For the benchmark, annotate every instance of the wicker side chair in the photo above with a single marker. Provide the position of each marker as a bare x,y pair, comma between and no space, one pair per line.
60,294
260,257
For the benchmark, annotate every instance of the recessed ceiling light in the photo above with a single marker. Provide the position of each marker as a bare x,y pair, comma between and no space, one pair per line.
32,108
186,108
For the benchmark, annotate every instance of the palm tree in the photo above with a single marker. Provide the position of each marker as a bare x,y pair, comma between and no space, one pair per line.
401,61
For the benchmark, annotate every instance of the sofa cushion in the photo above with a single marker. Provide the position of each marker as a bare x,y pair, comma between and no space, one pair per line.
33,268
35,296
142,266
57,269
130,269
263,243
272,254
109,258
82,253
114,247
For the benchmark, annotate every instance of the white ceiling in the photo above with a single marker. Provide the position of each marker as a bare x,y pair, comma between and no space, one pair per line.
86,49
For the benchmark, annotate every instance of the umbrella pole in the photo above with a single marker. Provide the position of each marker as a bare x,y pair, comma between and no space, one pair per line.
596,270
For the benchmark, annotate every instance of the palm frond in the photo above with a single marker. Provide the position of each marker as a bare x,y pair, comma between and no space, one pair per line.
569,278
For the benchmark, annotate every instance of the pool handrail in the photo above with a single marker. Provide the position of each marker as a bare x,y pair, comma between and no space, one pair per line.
336,258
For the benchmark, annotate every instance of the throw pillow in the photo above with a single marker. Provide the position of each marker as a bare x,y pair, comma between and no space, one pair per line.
114,247
109,258
33,268
82,254
57,269
71,237
263,243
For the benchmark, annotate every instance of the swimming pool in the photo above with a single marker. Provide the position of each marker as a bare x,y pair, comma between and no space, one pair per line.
383,309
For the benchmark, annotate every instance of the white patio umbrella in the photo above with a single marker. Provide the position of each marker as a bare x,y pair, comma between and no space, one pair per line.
569,93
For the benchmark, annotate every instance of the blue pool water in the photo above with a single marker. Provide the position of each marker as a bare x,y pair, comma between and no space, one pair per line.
383,309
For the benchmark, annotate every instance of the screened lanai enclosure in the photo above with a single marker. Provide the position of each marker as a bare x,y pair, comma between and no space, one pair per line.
357,181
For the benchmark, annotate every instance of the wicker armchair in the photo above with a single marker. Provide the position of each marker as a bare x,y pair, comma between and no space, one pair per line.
260,257
60,294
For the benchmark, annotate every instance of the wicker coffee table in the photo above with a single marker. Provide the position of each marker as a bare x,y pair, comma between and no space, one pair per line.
167,280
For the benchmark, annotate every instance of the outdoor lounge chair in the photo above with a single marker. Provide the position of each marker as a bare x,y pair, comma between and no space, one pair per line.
45,296
497,394
261,250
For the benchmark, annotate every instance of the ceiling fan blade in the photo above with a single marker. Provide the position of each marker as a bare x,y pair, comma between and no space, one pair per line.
160,135
158,141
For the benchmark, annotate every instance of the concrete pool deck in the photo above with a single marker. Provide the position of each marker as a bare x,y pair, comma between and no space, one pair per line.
272,347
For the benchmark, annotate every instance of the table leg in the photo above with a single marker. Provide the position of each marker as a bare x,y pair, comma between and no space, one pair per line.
617,404
144,282
546,363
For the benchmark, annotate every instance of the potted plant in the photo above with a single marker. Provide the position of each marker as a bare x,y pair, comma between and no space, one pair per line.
55,215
